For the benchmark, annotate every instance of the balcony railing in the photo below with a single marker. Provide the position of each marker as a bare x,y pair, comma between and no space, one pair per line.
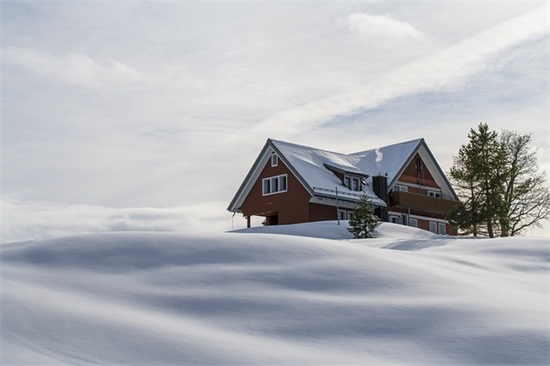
421,202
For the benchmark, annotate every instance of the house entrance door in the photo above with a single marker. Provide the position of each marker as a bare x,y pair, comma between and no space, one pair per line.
272,220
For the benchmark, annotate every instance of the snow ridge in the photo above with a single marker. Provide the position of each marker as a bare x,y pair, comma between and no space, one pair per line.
406,297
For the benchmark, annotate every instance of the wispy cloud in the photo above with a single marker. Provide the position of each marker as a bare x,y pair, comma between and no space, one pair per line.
445,69
73,68
381,27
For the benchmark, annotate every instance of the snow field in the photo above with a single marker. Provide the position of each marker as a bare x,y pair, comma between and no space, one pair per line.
259,297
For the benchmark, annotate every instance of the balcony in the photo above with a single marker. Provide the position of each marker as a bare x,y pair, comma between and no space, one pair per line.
421,202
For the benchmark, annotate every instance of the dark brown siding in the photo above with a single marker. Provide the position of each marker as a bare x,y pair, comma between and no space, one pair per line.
421,176
321,212
291,206
421,202
416,201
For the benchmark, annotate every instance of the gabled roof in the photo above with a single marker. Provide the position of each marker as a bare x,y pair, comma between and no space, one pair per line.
315,168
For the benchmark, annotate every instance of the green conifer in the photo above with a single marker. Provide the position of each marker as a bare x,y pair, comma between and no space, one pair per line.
364,222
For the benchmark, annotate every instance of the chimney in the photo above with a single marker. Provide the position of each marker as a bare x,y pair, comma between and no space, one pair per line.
380,188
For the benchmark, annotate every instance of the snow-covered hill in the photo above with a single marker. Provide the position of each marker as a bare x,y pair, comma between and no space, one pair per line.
407,297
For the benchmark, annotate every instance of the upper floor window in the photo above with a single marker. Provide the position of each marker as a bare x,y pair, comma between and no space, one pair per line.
353,183
274,159
275,184
434,194
400,188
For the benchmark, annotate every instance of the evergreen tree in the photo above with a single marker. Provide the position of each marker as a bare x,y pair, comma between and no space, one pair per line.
364,221
476,175
498,183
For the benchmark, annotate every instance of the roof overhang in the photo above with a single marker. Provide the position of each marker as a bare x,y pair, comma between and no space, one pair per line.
255,171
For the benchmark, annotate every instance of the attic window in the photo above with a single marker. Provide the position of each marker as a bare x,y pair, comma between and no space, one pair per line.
353,183
274,160
418,165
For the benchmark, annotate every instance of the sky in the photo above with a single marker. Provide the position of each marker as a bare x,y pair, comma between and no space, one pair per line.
147,115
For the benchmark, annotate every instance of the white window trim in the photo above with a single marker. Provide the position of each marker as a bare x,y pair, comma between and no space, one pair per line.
439,225
345,214
435,226
433,193
400,188
272,179
411,220
274,160
354,182
397,219
341,214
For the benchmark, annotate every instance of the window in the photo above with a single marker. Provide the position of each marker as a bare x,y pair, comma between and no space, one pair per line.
441,228
433,227
341,215
413,222
434,194
355,184
274,159
418,165
275,184
396,219
399,188
345,215
347,182
352,183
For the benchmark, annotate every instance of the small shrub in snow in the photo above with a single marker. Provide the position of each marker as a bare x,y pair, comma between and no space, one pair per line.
364,222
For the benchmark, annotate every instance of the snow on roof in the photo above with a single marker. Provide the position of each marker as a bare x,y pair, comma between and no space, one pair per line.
312,164
387,159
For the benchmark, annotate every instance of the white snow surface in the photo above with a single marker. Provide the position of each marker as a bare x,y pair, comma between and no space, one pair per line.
311,296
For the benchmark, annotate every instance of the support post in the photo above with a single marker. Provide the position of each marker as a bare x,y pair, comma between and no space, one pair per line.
337,207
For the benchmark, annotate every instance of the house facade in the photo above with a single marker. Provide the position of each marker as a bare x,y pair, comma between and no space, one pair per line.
290,183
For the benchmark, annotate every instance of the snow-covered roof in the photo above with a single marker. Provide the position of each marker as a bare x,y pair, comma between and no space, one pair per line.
315,167
312,163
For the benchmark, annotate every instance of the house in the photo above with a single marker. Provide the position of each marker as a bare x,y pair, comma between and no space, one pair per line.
291,183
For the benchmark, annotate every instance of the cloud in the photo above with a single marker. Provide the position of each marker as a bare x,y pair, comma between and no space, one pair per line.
73,68
167,104
446,69
382,27
27,220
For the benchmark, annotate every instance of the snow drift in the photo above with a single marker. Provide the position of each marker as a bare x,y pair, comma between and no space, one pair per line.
407,297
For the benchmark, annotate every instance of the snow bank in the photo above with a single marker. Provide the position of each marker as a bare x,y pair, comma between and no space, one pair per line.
321,229
234,298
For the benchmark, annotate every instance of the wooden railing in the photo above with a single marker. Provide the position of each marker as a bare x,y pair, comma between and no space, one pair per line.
421,202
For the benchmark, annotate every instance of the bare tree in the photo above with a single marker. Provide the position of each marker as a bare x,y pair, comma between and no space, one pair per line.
525,198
